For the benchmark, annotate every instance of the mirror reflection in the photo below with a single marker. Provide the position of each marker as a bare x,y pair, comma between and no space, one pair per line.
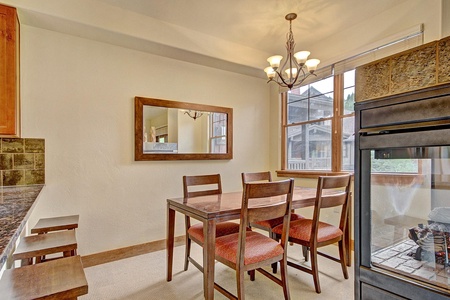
179,130
172,130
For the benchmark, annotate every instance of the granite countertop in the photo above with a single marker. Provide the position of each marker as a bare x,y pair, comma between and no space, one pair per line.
15,208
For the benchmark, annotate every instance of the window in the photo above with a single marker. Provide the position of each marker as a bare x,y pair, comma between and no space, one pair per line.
218,133
318,133
318,123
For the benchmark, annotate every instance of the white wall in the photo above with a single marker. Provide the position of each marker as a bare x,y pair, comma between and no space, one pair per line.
78,94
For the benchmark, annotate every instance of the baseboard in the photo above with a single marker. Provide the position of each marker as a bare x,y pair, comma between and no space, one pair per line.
121,253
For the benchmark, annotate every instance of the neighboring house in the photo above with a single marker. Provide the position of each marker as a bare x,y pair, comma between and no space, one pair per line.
317,155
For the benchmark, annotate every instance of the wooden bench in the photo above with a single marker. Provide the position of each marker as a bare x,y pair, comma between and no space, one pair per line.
37,246
58,279
46,225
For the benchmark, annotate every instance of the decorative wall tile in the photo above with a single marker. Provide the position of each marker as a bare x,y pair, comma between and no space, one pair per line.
372,80
13,177
39,161
444,60
34,146
413,70
34,177
22,161
12,146
6,161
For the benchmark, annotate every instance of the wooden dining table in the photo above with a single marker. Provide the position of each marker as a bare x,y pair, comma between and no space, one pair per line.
224,207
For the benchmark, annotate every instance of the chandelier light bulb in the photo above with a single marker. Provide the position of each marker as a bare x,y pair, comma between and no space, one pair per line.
274,61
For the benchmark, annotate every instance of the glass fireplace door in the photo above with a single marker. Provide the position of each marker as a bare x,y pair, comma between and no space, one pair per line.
410,213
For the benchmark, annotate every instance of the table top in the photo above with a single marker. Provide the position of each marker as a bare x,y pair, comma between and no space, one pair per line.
57,279
228,205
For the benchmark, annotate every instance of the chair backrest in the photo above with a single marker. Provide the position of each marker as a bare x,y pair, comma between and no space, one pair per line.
209,185
278,196
333,191
257,176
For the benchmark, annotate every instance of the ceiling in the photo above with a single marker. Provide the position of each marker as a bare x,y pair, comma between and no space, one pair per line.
233,35
260,24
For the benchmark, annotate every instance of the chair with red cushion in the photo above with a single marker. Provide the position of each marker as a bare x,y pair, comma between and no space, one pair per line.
249,250
202,185
268,225
332,191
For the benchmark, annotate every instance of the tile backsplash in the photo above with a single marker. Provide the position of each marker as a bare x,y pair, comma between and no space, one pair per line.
22,161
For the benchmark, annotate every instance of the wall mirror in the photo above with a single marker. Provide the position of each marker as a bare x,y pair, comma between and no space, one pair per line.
172,130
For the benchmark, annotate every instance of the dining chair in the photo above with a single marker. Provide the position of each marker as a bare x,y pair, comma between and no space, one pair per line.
332,191
195,186
269,225
250,250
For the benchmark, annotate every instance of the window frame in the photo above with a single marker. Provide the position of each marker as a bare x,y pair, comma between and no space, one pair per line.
336,134
212,137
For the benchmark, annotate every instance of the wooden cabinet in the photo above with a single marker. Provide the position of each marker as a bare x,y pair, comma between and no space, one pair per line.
9,72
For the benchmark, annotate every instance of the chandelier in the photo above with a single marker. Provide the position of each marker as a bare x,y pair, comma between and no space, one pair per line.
194,114
292,73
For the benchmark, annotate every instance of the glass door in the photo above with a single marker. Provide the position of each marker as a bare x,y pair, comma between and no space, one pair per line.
410,213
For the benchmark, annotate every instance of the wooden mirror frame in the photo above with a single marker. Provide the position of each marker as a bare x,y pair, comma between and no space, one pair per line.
139,154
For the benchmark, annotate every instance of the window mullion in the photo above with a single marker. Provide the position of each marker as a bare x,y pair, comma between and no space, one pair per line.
284,153
336,145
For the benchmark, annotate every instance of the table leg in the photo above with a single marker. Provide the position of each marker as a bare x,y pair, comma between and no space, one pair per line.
209,245
170,240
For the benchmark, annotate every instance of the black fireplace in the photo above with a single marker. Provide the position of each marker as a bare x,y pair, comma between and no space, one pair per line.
402,196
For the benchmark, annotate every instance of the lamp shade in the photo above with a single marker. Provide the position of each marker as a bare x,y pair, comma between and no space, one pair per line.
311,64
301,56
274,61
270,72
289,71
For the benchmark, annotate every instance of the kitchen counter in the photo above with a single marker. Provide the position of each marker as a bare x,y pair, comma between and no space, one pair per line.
16,203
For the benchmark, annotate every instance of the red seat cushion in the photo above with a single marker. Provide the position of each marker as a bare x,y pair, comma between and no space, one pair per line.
222,228
301,230
270,224
258,247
